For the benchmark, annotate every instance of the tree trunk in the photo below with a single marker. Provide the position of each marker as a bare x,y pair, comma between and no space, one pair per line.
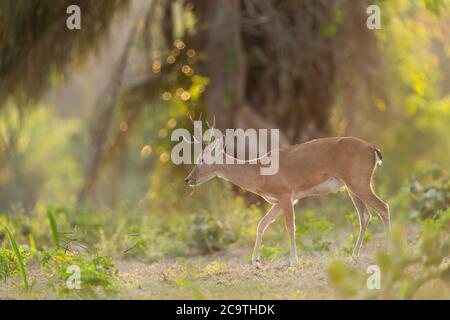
218,42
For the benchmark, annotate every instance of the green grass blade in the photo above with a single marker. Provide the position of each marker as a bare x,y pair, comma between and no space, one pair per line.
53,227
15,248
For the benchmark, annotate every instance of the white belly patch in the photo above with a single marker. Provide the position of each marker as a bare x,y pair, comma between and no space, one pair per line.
330,185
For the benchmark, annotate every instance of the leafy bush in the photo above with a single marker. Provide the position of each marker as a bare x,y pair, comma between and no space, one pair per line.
404,270
430,193
14,261
8,262
208,234
317,230
272,253
439,221
96,272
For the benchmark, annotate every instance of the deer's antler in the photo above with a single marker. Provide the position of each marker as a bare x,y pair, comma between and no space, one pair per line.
211,127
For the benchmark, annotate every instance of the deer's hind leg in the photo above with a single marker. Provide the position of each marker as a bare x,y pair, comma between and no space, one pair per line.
366,194
359,181
381,208
364,219
289,219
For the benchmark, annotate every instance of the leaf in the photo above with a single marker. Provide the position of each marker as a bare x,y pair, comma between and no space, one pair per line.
15,248
53,227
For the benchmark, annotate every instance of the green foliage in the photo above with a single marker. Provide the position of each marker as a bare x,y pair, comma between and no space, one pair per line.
207,234
39,25
8,263
215,268
96,272
18,254
317,230
413,121
436,6
432,196
404,270
441,220
272,253
53,227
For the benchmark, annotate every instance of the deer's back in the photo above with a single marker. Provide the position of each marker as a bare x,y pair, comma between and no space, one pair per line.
311,163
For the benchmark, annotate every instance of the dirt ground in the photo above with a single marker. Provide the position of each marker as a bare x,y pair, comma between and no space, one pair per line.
237,280
228,275
222,275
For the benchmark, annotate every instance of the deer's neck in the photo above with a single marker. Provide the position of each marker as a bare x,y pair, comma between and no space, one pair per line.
244,175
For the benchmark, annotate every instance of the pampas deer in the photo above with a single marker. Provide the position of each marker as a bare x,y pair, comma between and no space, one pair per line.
313,168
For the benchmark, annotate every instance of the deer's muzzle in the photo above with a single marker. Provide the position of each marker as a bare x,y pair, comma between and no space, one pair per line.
190,182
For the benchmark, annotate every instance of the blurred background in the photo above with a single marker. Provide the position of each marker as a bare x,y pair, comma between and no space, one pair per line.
86,115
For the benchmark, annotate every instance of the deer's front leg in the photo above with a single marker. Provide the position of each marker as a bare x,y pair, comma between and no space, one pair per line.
289,219
262,226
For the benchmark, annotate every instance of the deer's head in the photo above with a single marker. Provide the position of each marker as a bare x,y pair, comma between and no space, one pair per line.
206,165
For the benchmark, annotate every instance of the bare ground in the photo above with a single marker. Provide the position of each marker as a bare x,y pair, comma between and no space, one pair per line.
227,275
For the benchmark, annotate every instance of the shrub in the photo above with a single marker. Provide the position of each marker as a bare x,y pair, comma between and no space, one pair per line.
404,270
96,272
207,234
8,264
318,231
14,261
430,193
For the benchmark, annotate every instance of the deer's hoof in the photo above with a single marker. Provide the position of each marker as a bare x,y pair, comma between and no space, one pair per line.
353,261
293,262
256,264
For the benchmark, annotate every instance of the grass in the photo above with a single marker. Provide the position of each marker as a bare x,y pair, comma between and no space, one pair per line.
53,227
20,262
